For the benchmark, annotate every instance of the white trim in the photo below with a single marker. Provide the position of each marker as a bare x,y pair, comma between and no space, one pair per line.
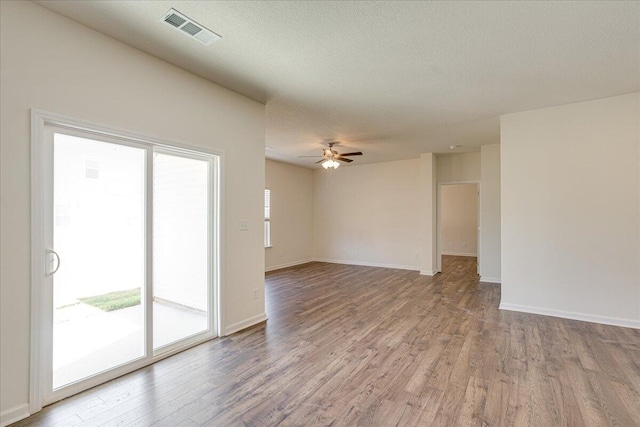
14,414
368,264
37,262
486,279
148,253
459,254
288,264
605,320
219,244
244,324
428,272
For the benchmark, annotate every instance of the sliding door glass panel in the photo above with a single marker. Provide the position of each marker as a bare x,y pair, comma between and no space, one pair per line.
99,235
181,255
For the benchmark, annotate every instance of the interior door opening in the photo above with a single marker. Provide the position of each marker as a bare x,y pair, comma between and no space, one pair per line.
458,225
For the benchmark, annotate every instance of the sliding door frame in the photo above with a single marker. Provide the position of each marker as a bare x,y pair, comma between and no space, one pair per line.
41,170
48,394
212,251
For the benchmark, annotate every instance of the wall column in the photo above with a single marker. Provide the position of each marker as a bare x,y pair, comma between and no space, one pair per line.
490,214
427,226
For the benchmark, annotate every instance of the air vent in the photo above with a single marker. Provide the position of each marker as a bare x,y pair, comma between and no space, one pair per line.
189,27
174,20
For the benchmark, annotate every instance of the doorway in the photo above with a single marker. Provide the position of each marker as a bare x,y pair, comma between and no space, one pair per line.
129,249
458,223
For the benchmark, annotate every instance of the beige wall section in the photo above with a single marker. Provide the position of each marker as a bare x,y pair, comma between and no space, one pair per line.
368,214
458,167
428,214
490,213
570,210
291,215
52,63
459,224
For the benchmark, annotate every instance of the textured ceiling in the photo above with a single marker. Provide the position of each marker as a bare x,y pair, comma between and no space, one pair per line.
392,79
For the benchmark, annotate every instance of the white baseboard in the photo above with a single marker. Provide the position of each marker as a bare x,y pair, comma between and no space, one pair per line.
490,279
428,272
288,264
247,323
14,414
605,320
459,254
367,264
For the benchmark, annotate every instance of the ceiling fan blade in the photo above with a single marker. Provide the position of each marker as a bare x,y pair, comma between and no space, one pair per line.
319,161
355,153
308,156
344,160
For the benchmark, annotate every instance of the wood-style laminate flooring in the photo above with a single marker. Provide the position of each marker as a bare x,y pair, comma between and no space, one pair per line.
361,346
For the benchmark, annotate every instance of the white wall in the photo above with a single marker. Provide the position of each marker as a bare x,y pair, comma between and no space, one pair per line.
570,210
458,167
368,214
291,215
490,213
385,213
54,64
459,224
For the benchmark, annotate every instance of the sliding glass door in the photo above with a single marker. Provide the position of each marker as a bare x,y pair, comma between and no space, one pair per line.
129,252
180,247
99,233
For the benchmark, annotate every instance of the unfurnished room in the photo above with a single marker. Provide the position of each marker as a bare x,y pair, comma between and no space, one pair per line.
319,213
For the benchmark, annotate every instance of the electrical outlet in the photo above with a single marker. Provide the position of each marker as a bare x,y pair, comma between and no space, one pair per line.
255,293
465,245
244,225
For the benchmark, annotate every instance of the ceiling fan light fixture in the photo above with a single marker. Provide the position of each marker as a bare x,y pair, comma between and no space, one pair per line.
332,159
330,164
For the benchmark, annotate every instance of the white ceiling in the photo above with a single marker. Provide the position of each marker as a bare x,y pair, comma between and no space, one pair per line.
393,79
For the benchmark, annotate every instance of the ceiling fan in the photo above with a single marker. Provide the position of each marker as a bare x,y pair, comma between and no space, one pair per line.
331,158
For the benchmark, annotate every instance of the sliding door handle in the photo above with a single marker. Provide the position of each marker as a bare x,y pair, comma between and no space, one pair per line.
57,257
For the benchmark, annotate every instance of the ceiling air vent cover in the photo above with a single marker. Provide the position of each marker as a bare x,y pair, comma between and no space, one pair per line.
190,27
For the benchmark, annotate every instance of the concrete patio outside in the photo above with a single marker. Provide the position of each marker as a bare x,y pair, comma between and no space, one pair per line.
88,340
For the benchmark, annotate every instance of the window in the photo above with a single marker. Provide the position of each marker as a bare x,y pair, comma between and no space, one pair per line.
267,218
